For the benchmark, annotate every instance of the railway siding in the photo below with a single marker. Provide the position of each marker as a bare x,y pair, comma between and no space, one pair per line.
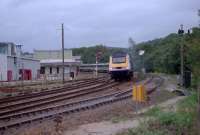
17,118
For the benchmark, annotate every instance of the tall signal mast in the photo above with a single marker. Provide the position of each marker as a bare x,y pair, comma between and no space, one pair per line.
199,17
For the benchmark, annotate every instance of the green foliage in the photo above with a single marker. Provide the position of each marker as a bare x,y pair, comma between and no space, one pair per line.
183,118
167,123
143,129
176,119
88,54
190,103
153,111
163,55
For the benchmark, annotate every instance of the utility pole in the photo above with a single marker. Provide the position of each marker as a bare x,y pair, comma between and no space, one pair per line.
199,17
23,75
198,92
63,55
96,64
98,55
181,32
96,68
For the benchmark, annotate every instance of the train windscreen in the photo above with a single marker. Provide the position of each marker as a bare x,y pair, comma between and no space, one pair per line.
119,60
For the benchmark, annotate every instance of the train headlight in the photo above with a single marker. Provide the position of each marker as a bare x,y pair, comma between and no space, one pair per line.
127,67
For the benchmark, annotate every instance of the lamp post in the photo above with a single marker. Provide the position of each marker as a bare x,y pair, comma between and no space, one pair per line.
141,53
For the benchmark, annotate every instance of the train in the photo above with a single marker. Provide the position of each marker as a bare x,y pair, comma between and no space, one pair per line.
102,67
120,67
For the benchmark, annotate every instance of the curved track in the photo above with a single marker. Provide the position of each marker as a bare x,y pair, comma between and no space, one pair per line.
11,118
66,87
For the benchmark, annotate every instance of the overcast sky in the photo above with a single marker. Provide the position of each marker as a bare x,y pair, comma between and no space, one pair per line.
36,24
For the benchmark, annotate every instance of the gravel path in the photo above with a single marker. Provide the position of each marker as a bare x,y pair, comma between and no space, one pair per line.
110,128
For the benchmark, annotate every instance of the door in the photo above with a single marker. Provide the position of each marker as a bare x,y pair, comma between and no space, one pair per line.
9,75
29,75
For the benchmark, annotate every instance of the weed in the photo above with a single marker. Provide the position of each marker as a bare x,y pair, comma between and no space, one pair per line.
143,129
167,123
118,119
153,111
189,104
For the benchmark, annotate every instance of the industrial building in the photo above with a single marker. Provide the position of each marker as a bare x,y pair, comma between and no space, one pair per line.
51,63
15,66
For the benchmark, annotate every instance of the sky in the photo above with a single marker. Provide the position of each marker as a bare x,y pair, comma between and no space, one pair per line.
36,24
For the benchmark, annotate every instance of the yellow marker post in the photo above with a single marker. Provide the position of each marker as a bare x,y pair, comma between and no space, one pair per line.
135,96
134,93
139,93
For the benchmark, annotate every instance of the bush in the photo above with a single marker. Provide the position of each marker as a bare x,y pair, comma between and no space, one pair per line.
143,129
176,119
169,123
153,111
188,104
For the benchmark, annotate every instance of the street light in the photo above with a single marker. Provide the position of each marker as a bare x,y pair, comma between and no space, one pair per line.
141,53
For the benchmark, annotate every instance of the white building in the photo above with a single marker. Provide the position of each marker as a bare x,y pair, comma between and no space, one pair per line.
51,63
14,65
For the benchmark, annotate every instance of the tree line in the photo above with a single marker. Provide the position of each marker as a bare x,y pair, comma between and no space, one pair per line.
88,54
161,55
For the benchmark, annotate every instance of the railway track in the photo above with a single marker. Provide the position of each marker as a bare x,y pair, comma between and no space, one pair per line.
62,109
49,99
56,90
49,82
17,118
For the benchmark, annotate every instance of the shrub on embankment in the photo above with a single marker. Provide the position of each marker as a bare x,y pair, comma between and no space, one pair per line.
179,121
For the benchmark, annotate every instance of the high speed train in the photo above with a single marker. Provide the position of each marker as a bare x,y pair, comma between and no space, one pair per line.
120,66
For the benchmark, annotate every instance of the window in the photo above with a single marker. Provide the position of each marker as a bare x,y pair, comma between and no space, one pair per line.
3,49
50,70
42,70
119,60
15,60
57,70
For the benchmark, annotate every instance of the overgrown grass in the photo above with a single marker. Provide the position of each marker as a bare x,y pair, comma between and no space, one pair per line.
143,129
181,121
118,119
153,111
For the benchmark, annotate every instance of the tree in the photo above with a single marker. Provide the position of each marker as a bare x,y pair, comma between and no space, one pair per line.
88,54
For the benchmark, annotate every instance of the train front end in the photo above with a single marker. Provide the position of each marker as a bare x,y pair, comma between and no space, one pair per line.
120,67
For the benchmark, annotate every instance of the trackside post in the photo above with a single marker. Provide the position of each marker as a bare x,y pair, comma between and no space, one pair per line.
139,95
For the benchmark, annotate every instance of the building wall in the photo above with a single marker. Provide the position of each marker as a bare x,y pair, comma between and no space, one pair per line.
54,70
13,67
33,65
15,64
8,48
3,67
52,54
3,48
57,76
